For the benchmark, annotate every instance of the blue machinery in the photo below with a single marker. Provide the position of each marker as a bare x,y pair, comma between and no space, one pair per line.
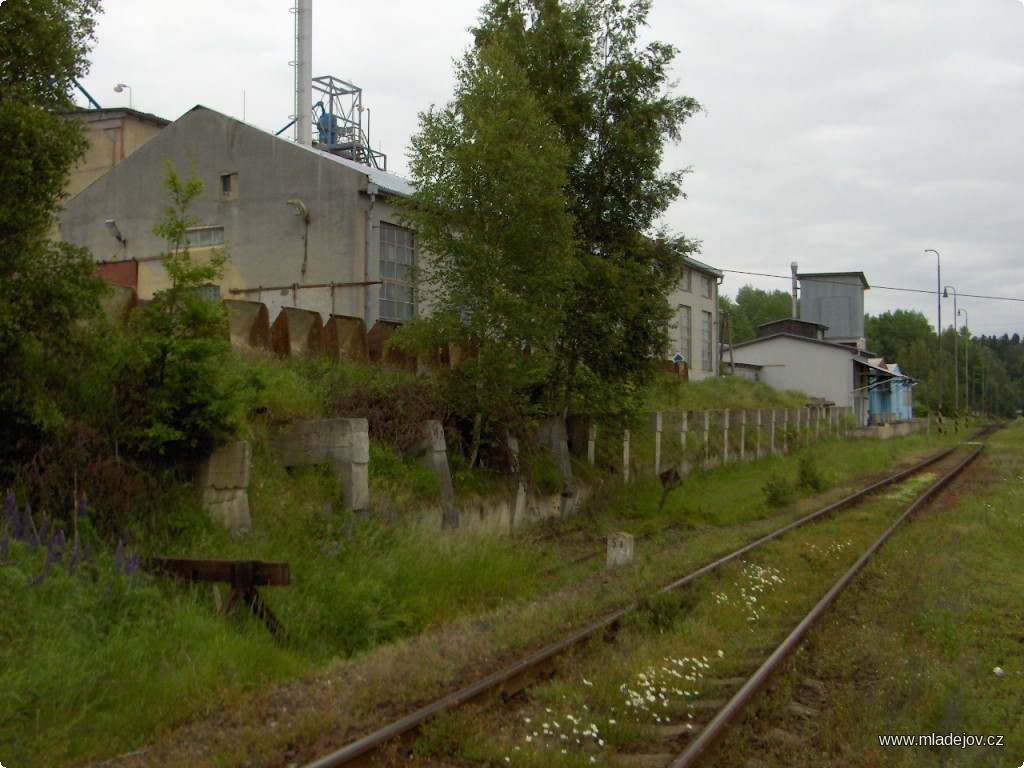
338,121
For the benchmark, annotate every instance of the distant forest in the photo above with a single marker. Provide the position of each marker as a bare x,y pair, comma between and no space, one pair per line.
979,373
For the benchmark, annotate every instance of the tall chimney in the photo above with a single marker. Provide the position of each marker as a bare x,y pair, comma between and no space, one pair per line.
792,267
304,72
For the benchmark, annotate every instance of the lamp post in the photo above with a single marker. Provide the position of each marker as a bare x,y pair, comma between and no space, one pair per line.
956,347
121,87
938,301
967,364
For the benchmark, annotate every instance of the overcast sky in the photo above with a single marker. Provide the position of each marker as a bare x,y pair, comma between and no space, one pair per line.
847,135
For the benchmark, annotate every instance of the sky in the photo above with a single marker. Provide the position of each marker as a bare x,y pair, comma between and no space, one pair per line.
845,136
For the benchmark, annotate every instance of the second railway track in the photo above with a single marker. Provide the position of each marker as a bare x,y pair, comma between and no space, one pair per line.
381,746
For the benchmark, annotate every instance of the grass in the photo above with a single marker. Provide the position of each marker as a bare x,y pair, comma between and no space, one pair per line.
932,642
96,663
670,393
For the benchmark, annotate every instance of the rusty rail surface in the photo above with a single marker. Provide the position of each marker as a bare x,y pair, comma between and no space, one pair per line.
510,679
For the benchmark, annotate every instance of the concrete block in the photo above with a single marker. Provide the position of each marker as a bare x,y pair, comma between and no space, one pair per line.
345,339
343,443
223,483
379,350
119,303
248,324
296,332
620,549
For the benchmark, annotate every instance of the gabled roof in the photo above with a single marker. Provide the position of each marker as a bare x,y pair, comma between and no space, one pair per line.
796,337
387,183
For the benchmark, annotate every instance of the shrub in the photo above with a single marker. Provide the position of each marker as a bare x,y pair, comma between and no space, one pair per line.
778,492
809,476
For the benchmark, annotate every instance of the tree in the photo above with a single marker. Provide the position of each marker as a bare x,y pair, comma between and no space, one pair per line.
608,96
892,334
179,395
755,307
489,210
45,287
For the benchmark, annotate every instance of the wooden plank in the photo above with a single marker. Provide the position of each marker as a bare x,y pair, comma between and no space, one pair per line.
238,573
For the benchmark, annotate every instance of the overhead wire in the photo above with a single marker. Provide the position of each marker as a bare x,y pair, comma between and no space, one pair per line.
880,287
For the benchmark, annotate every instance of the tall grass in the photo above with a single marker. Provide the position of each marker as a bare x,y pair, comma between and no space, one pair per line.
96,662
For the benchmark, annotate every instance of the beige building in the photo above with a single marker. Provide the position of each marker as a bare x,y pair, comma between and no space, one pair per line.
113,135
694,332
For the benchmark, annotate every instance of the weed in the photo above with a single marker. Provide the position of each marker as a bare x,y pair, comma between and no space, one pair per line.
809,476
779,492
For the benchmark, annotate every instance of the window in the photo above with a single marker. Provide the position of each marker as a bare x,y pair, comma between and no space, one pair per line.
705,286
397,257
228,186
204,237
209,292
705,342
687,282
685,333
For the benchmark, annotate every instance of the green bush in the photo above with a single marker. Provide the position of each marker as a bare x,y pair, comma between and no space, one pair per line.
809,476
779,492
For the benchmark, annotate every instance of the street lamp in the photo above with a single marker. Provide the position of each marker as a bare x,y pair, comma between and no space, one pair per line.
967,363
938,300
956,346
120,87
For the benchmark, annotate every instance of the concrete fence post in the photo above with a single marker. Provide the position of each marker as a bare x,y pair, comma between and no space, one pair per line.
625,456
725,437
743,435
773,433
683,430
434,454
656,424
592,442
757,450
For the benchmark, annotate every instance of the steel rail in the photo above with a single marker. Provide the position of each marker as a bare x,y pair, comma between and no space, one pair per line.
362,747
715,729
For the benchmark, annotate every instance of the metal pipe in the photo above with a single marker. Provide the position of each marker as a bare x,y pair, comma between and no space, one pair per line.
938,298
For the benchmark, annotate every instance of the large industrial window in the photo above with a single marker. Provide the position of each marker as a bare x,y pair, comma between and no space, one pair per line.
397,258
705,342
685,332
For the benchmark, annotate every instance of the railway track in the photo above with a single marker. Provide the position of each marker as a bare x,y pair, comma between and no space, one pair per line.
510,680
